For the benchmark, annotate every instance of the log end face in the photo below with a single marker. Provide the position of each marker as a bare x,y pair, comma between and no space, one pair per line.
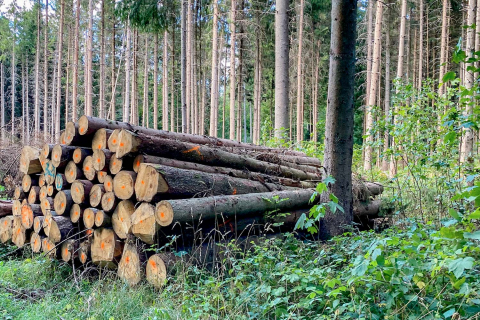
126,143
89,218
129,268
60,202
164,213
156,272
124,184
83,125
144,225
88,168
56,155
149,182
112,141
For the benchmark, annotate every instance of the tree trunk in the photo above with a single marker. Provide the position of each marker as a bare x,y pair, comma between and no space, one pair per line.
369,53
172,87
420,45
101,111
386,138
12,120
165,122
155,83
59,70
300,111
145,121
75,63
232,68
37,81
339,124
183,66
89,62
282,87
113,80
189,67
374,82
126,107
2,103
45,75
214,79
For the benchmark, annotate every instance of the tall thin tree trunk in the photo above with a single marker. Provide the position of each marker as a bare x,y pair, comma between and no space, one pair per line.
224,86
189,67
134,84
24,110
443,46
300,112
113,80
59,70
45,75
315,96
282,86
75,63
172,87
13,80
101,112
2,103
27,105
165,82
214,84
420,46
183,67
155,83
145,84
67,77
37,78
467,141
375,77
126,106
386,139
232,68
340,110
256,82
89,62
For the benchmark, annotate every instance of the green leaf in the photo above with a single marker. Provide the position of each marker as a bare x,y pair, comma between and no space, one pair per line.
321,187
472,235
333,198
450,137
458,266
454,214
449,76
301,221
329,180
475,214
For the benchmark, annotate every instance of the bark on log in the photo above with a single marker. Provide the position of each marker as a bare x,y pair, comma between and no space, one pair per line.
102,219
80,154
106,248
80,190
73,172
118,164
61,155
186,210
96,194
60,229
6,208
91,124
244,174
130,142
63,202
121,218
156,182
144,226
124,184
73,138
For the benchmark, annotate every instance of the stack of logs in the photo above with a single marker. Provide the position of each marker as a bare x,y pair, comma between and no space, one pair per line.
109,191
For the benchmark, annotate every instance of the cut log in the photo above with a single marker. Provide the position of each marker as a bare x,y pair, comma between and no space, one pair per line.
101,176
50,172
113,140
29,161
28,181
19,194
51,191
43,161
62,154
80,154
367,208
80,190
156,272
19,233
6,228
61,182
6,208
63,202
76,213
187,210
73,138
156,182
69,250
46,150
61,228
91,124
47,204
96,194
118,164
244,174
73,172
364,191
121,218
130,142
61,139
275,159
16,208
108,183
102,219
29,212
109,202
43,193
49,248
101,159
124,184
88,169
130,267
34,195
84,251
41,180
106,248
89,217
38,224
36,242
100,139
144,226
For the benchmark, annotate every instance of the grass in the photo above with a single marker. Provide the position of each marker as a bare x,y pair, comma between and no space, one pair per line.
417,272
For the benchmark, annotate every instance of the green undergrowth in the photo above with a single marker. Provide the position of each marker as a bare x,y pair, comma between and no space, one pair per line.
418,271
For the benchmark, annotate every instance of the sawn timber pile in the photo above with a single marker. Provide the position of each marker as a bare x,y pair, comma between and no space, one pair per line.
109,190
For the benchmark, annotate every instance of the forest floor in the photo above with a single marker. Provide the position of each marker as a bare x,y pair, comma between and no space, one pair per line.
413,272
